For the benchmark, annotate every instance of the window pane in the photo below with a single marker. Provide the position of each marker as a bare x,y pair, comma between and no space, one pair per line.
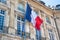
23,27
19,28
38,35
48,20
3,1
18,25
2,12
1,22
22,19
51,35
21,7
18,17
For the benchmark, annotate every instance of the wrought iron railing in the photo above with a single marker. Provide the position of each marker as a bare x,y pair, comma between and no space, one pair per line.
3,29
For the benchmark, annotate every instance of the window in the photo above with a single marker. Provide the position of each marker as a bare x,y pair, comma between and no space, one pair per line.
3,1
21,7
23,29
48,20
2,12
22,19
38,35
36,12
20,27
57,7
18,18
51,35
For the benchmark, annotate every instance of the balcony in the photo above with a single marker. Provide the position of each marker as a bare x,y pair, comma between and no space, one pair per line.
5,35
23,34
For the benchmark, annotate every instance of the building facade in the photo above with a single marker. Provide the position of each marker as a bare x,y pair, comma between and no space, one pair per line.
13,27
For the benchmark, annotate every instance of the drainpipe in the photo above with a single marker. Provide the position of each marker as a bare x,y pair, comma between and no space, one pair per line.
56,24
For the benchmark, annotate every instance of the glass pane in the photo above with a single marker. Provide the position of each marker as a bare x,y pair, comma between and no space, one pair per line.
18,17
48,20
3,1
51,35
18,25
19,32
23,27
2,12
1,22
38,35
21,7
22,19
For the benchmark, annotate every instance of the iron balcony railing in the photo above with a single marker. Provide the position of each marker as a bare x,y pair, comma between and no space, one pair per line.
4,30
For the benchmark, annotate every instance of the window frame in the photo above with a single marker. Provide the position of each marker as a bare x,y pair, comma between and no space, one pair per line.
22,28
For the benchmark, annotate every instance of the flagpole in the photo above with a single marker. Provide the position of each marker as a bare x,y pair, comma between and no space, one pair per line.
25,20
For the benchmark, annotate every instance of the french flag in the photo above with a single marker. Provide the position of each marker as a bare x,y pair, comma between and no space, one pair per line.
32,17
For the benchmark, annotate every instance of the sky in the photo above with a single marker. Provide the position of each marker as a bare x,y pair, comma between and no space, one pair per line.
51,2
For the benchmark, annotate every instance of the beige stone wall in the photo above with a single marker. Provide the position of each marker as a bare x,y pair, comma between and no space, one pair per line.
11,19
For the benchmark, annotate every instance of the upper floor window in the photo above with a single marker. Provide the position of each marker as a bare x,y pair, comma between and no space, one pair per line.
22,19
51,35
2,12
48,20
18,18
21,7
36,12
38,35
20,26
3,1
57,7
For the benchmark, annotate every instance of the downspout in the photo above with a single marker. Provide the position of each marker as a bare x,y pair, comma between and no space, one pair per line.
56,24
